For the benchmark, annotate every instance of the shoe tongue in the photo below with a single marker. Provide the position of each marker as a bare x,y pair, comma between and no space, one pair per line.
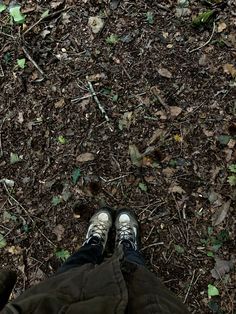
95,239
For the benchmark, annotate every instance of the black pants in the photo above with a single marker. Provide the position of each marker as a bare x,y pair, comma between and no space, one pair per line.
89,253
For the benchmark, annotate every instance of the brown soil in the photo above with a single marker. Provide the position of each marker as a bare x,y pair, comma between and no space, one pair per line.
184,172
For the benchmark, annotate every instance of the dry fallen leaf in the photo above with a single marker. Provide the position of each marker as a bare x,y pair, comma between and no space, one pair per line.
60,103
135,156
165,73
126,120
59,231
85,157
14,250
176,189
175,111
222,26
20,117
156,135
220,213
221,268
230,69
56,4
168,172
96,77
96,24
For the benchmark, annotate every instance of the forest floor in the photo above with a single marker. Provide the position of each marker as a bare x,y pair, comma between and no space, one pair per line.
141,114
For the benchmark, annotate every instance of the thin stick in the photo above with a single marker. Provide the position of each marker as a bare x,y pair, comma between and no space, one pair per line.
114,179
33,62
46,17
97,101
19,204
207,42
1,150
151,245
78,99
190,285
1,71
7,35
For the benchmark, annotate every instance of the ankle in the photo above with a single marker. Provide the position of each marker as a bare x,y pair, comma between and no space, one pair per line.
94,240
127,244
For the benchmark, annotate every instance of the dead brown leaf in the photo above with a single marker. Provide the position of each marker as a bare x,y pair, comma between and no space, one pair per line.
221,268
175,111
85,157
135,156
59,231
230,69
14,250
168,172
56,4
165,73
96,24
60,103
221,213
176,189
20,117
221,26
156,135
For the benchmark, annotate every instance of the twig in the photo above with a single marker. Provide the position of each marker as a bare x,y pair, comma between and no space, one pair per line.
162,7
19,204
190,285
43,18
1,71
78,99
34,63
151,245
97,101
115,179
28,215
149,233
207,42
7,35
1,150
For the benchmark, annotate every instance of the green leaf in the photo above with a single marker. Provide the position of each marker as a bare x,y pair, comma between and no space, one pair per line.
173,163
14,158
2,7
115,98
232,168
76,174
3,242
212,291
56,200
150,17
21,63
61,139
224,139
135,156
142,187
45,14
112,39
203,18
232,180
179,249
17,16
62,255
210,254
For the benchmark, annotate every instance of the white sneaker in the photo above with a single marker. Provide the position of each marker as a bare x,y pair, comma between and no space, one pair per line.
99,227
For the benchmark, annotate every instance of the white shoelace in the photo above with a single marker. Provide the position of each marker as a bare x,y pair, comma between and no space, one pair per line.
125,232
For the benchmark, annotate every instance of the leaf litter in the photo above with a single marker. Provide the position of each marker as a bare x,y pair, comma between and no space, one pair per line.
180,122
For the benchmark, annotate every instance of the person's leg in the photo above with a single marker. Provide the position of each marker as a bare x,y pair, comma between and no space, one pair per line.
94,245
89,253
127,235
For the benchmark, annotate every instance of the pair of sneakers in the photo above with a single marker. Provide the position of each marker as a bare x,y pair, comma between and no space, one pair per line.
126,226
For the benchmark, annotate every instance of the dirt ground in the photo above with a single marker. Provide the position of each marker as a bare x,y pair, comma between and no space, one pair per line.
140,115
